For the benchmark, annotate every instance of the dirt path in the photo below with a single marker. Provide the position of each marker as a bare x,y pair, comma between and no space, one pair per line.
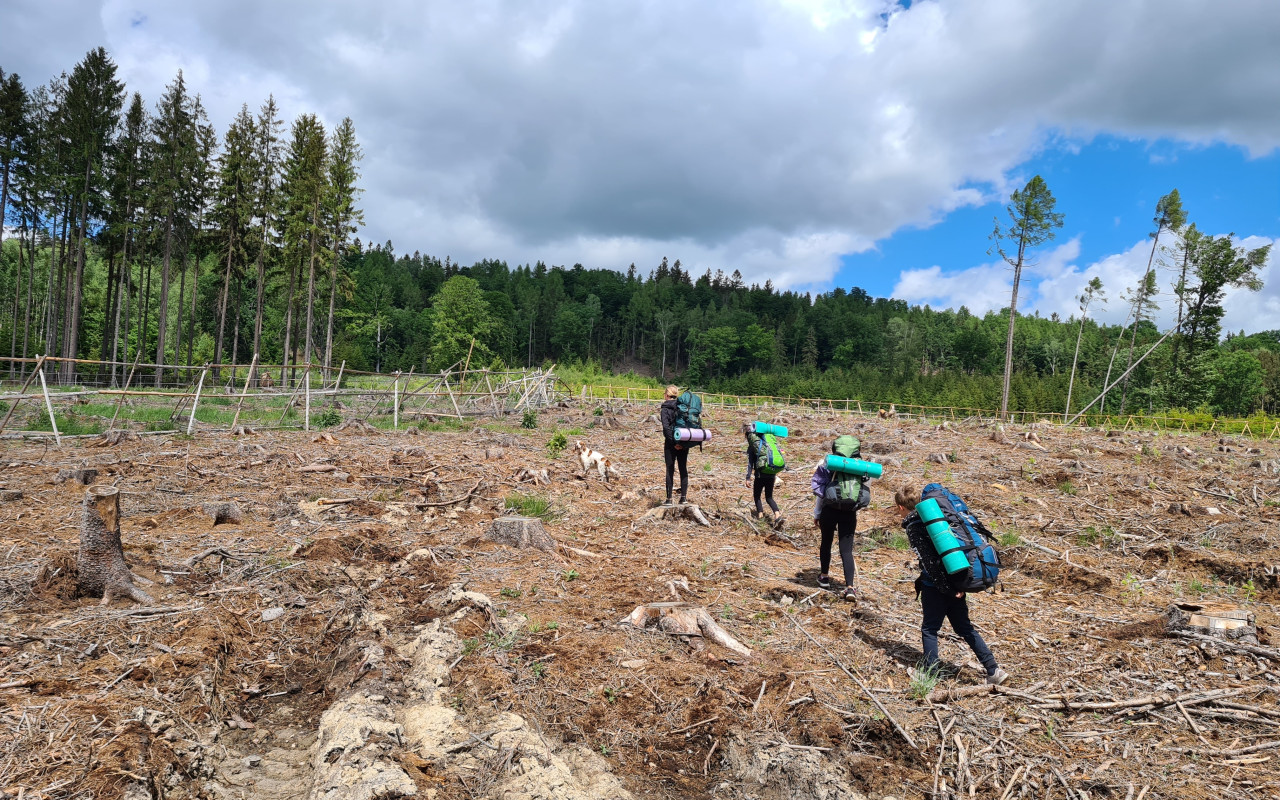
308,614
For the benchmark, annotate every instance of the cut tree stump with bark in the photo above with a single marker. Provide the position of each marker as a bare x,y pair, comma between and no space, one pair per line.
101,565
355,426
222,512
687,511
10,495
84,477
521,532
684,619
113,438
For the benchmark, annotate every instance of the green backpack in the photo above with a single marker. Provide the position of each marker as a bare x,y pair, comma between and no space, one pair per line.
845,490
769,458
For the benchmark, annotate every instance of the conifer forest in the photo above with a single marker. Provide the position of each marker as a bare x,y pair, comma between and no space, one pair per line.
135,230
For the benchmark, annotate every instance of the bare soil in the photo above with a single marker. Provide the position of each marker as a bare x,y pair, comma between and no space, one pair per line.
218,689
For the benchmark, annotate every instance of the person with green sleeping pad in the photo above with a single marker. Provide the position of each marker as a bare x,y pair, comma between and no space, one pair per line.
942,604
764,459
839,496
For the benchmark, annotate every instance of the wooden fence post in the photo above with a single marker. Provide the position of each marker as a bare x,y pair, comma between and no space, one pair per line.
21,393
306,418
191,424
252,365
395,402
49,406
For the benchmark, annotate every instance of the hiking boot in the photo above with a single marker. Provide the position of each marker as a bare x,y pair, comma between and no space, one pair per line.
997,678
778,522
850,595
757,514
684,501
824,582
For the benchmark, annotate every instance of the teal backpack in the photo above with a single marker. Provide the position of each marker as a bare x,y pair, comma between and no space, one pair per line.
769,458
688,411
845,490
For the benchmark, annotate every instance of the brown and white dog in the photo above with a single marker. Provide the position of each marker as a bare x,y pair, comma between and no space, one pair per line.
593,458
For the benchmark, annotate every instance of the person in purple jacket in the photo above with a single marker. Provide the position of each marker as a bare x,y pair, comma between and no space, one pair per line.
831,521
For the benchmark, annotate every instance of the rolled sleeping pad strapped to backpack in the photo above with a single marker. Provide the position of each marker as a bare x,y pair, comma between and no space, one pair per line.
944,541
692,435
764,427
854,466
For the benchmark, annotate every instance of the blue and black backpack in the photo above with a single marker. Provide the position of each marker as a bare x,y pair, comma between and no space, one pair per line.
975,541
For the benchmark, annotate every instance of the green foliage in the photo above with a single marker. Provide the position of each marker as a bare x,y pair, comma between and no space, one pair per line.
557,444
1131,590
598,411
529,419
569,576
1008,539
460,315
899,541
1067,487
327,418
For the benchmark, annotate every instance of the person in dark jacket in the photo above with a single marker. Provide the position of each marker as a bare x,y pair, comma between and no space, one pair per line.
673,452
764,482
937,606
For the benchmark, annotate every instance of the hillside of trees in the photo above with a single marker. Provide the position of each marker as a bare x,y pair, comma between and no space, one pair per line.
136,231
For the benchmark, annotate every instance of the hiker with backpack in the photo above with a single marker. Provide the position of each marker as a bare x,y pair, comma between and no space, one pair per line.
681,416
956,557
840,495
765,459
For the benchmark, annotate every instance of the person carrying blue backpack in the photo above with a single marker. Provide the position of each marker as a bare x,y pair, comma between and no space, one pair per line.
942,595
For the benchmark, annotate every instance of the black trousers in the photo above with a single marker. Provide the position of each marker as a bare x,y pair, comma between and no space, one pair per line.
845,523
764,483
672,457
937,607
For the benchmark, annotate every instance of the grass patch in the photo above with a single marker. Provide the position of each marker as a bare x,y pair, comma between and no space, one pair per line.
899,541
1008,539
1067,487
924,680
1103,536
531,505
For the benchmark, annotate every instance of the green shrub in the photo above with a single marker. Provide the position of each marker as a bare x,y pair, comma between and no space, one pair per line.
327,418
557,444
530,419
599,412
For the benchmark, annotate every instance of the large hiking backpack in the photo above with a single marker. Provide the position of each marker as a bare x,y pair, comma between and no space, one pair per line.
688,411
846,491
768,450
974,538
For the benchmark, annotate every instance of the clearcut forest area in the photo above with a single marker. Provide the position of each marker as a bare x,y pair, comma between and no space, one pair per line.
333,617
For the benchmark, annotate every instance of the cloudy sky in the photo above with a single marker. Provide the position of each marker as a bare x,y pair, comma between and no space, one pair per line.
816,143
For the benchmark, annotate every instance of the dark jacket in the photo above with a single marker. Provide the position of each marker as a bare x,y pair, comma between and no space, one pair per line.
668,414
751,457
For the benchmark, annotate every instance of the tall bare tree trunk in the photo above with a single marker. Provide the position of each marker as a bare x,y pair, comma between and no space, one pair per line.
163,302
182,297
288,323
222,305
257,313
311,285
328,336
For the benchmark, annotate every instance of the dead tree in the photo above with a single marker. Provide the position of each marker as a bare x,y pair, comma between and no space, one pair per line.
101,565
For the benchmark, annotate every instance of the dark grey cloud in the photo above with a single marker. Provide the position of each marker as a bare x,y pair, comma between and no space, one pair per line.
766,136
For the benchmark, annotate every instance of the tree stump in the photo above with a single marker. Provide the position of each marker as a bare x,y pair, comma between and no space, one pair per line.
355,426
101,565
113,438
10,495
222,512
84,477
521,532
684,620
687,511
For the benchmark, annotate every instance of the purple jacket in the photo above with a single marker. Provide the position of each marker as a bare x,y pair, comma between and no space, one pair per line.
818,483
